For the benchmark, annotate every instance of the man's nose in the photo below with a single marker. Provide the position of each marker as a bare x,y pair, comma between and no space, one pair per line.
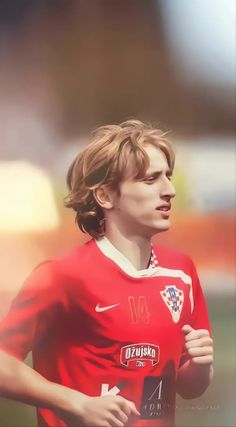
168,189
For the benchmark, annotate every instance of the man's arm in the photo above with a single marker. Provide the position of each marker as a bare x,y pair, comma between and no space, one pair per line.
195,375
20,382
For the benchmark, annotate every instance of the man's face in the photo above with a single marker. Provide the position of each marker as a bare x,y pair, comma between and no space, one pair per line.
143,206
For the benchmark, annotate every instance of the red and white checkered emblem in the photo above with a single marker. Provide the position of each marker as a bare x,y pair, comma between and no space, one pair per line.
174,299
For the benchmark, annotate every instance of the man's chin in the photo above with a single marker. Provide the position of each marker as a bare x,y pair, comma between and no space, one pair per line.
162,226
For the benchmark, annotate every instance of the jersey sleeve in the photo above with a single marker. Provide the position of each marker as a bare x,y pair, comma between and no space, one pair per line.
31,312
199,318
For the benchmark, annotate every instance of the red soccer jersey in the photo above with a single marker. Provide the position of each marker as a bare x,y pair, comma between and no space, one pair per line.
96,328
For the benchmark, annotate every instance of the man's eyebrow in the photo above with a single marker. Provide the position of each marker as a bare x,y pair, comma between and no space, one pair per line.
158,172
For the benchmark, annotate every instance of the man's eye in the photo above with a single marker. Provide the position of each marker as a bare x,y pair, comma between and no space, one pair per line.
150,179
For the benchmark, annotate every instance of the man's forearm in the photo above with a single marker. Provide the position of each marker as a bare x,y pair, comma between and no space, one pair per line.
193,379
20,382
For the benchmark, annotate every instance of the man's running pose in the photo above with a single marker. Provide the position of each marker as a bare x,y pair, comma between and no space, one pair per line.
118,325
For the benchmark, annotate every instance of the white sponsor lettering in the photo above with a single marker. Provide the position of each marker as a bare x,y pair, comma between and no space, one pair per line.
157,392
112,392
136,352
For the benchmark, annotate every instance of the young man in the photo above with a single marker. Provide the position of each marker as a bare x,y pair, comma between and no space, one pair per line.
117,326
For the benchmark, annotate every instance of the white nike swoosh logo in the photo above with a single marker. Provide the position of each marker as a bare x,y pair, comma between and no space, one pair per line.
99,309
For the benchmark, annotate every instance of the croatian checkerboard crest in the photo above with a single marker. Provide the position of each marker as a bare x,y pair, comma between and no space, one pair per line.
173,298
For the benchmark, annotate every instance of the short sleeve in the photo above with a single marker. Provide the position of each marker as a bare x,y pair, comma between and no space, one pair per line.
199,318
39,299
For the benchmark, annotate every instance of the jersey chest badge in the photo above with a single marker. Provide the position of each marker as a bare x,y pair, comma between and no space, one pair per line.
173,298
139,354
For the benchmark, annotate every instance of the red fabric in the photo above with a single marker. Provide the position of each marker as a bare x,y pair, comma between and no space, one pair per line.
129,345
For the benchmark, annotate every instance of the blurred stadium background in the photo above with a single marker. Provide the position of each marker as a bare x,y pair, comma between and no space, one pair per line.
68,66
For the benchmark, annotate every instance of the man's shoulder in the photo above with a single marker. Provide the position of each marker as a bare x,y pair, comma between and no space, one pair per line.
171,258
73,258
80,253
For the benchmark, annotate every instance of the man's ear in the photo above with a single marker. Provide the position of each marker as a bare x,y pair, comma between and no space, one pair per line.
103,197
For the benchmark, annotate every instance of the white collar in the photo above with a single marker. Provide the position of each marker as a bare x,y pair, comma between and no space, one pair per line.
124,263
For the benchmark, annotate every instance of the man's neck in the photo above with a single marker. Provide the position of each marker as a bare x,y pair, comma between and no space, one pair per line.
136,249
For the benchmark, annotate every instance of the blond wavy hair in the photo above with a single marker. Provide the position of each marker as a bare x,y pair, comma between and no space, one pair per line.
104,162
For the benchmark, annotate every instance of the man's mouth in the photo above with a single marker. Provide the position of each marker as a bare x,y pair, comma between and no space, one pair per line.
164,208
